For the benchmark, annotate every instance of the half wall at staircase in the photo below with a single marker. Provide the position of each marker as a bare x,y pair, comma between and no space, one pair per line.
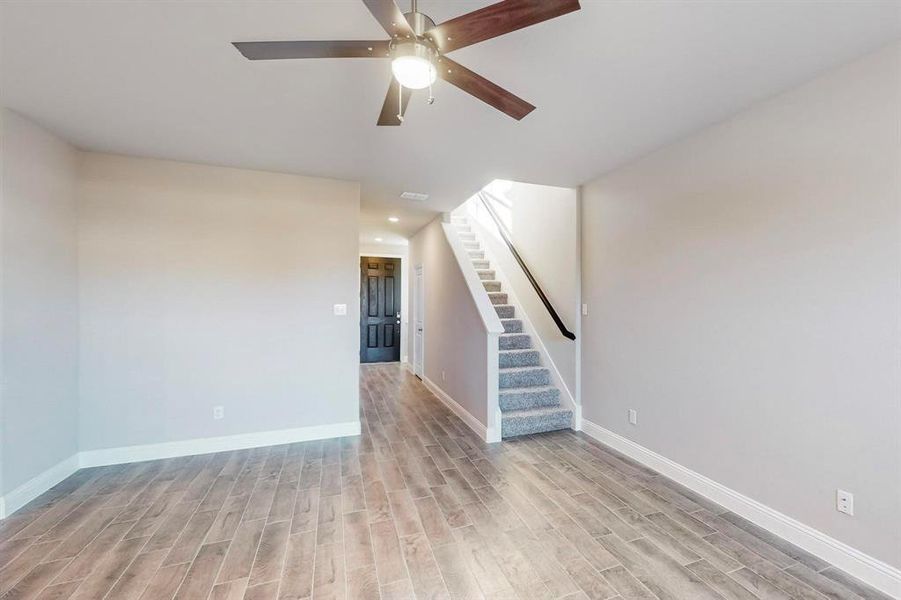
454,341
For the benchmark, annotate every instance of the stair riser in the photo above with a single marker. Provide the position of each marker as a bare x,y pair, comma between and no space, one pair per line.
512,325
518,379
476,254
498,297
526,400
528,425
492,286
505,312
480,264
515,342
518,359
486,275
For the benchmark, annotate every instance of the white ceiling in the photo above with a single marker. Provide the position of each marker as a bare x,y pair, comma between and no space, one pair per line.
611,82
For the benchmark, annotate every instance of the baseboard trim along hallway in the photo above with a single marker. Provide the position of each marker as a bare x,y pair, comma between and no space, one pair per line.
36,486
854,562
471,421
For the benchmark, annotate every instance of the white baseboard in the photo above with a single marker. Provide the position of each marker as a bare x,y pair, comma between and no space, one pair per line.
34,487
472,422
872,571
30,490
127,454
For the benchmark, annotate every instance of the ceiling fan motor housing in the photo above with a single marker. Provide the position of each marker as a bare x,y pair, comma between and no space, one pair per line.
419,22
421,46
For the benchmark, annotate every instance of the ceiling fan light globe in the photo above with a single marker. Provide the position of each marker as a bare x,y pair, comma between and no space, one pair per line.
414,72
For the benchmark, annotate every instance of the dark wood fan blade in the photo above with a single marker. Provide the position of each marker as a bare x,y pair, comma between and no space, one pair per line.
388,115
389,17
313,49
481,88
496,19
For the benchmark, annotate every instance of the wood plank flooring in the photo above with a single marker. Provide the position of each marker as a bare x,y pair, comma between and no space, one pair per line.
416,507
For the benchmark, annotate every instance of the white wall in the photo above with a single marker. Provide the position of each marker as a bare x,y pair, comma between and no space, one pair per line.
744,298
38,301
205,286
455,341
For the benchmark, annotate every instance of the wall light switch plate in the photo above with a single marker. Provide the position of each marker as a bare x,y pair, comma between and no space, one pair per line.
584,310
633,416
340,310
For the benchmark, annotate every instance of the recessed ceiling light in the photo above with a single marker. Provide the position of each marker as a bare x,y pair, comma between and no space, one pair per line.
393,219
378,239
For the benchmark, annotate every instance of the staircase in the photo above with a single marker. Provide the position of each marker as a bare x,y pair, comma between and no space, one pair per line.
529,402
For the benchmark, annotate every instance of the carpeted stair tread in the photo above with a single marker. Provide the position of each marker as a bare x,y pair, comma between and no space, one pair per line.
528,397
505,311
512,325
492,286
498,297
520,377
513,341
535,420
518,358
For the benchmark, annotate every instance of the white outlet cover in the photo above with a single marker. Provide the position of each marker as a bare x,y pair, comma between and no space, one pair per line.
218,412
585,310
340,310
633,416
844,502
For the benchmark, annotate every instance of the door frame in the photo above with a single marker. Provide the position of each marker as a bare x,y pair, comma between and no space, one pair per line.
418,284
404,303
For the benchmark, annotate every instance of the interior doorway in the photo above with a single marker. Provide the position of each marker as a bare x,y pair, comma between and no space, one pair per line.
380,309
418,321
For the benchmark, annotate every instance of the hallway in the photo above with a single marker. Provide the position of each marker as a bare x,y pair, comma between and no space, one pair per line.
415,507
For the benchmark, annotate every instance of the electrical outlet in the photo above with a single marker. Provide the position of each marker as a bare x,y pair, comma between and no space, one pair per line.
340,310
633,416
584,310
218,412
844,502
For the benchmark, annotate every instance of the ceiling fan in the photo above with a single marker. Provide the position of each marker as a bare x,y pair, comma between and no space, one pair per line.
418,49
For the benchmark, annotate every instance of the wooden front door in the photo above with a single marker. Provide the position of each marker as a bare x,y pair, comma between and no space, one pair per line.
379,309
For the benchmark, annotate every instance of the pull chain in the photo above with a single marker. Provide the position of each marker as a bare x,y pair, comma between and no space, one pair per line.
400,102
431,97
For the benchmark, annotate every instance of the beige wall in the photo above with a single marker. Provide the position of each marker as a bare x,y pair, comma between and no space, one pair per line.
205,286
38,301
454,338
744,297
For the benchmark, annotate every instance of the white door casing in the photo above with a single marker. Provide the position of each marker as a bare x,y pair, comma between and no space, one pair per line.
418,320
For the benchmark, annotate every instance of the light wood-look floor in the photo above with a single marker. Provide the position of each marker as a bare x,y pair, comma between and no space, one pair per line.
417,507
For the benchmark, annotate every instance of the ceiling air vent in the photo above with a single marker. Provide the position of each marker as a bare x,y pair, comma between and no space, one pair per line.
414,196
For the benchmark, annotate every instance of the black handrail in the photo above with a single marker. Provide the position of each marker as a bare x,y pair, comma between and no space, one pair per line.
502,229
